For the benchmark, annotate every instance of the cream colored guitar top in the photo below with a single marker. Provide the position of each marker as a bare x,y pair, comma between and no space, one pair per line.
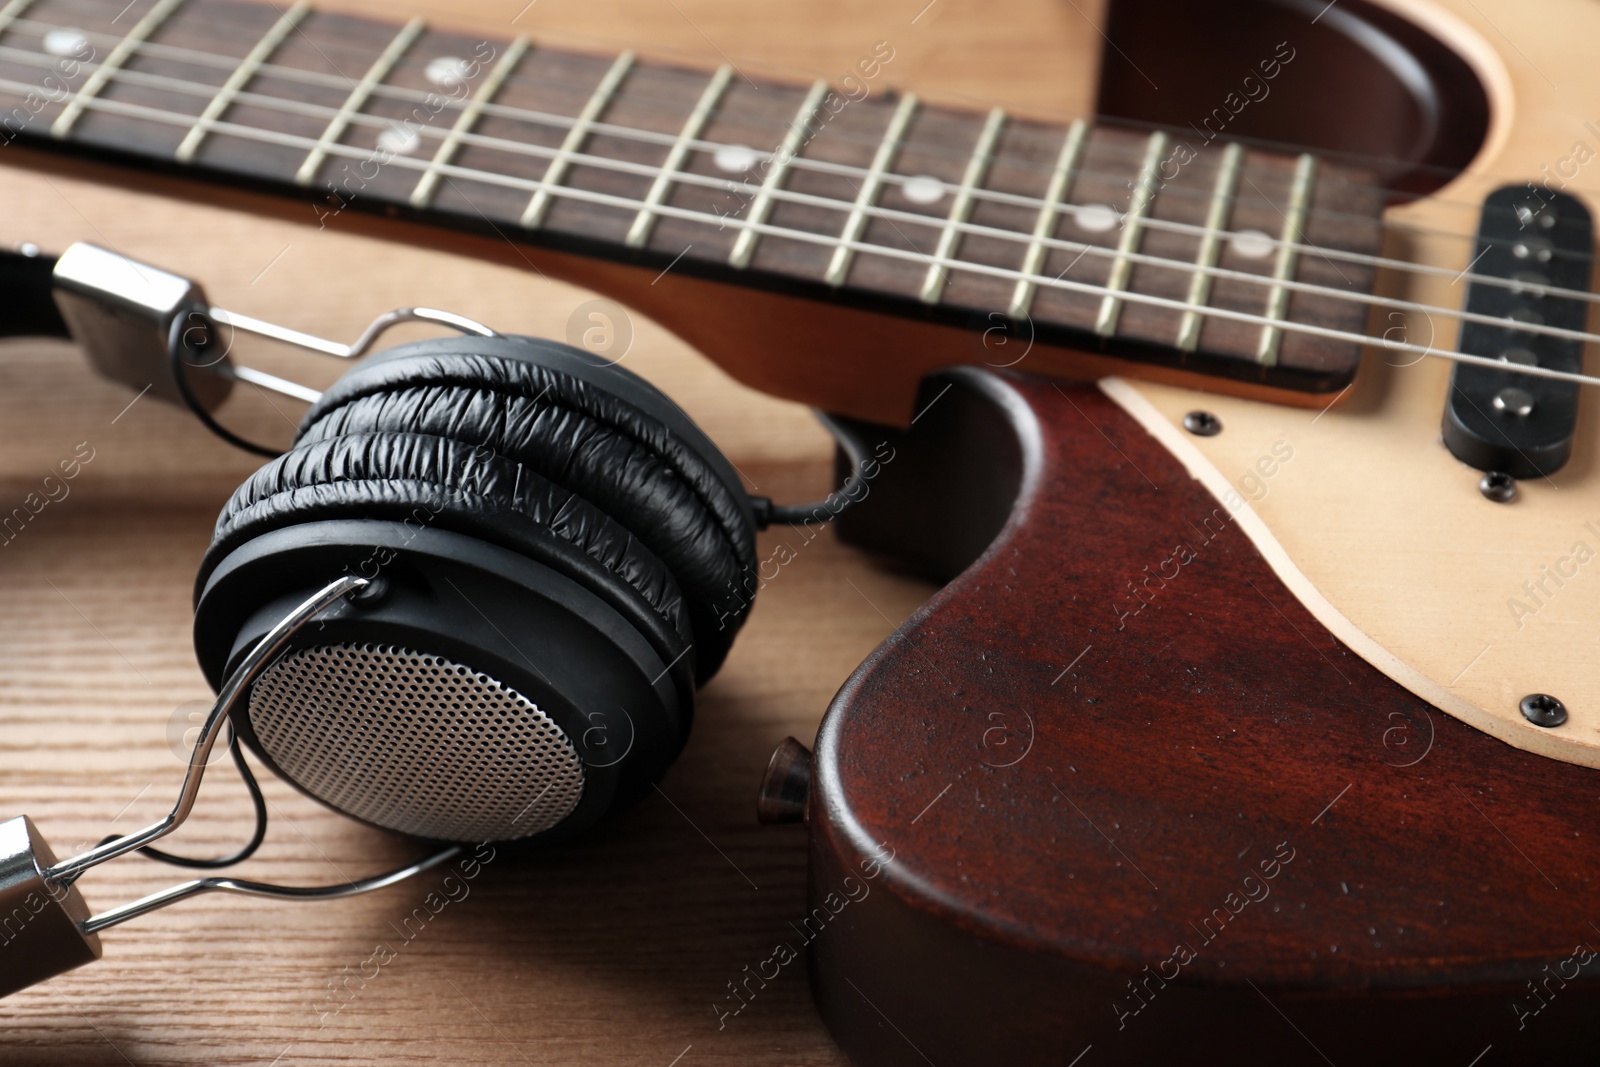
1378,529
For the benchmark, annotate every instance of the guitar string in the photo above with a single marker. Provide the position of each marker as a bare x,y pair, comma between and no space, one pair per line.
1265,281
180,119
632,204
916,218
302,76
1047,139
911,218
397,92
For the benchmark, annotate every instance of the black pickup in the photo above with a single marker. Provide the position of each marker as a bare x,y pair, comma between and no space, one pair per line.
1499,420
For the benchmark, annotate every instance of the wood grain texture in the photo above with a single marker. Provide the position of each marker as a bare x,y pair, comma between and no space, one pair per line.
644,925
1377,515
569,144
1114,787
608,953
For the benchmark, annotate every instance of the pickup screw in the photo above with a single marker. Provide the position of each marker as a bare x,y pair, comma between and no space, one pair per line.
1545,216
1498,486
1535,248
1542,709
1514,401
1202,424
1528,277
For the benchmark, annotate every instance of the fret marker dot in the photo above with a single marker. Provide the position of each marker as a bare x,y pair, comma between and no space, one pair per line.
923,189
446,72
1253,244
734,158
400,139
66,42
1096,218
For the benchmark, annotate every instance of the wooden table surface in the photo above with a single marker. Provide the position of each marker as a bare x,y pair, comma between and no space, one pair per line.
610,950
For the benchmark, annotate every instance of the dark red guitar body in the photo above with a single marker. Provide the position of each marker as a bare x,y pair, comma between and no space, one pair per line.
1047,826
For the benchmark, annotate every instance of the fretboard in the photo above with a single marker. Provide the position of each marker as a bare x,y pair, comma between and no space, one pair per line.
1163,245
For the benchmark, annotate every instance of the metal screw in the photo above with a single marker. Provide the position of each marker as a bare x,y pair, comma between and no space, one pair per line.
1542,709
1545,216
1202,424
1536,249
1528,277
1520,356
1514,401
1498,486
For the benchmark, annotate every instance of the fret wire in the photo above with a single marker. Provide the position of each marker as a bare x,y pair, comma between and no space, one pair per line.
866,196
199,57
1305,173
357,100
13,11
533,214
744,246
623,166
639,232
1024,277
961,208
135,77
524,114
1217,215
429,182
520,148
1122,267
1045,226
308,76
999,234
119,55
247,69
606,199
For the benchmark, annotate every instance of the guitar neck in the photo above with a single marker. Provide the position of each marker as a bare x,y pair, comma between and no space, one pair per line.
1168,246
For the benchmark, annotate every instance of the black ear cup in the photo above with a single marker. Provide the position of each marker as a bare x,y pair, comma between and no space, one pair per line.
560,556
590,428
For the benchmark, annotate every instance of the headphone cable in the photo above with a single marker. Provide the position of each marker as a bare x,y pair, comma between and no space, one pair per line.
256,798
852,492
177,347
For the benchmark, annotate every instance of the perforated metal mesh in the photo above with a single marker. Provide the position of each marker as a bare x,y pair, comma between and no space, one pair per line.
415,743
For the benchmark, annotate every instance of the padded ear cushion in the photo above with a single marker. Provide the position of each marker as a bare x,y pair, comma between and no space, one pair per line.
444,484
565,419
586,425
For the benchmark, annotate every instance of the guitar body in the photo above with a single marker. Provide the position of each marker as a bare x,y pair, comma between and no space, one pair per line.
1158,771
1178,763
1202,826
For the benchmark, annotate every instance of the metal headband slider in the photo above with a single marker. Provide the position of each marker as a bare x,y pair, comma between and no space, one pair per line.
41,931
122,312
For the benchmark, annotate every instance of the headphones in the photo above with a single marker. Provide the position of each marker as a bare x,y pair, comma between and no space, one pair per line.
471,603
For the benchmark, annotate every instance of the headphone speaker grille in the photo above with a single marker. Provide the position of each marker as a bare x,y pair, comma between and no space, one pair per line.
415,743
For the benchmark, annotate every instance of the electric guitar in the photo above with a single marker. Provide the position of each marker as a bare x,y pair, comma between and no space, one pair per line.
1247,422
